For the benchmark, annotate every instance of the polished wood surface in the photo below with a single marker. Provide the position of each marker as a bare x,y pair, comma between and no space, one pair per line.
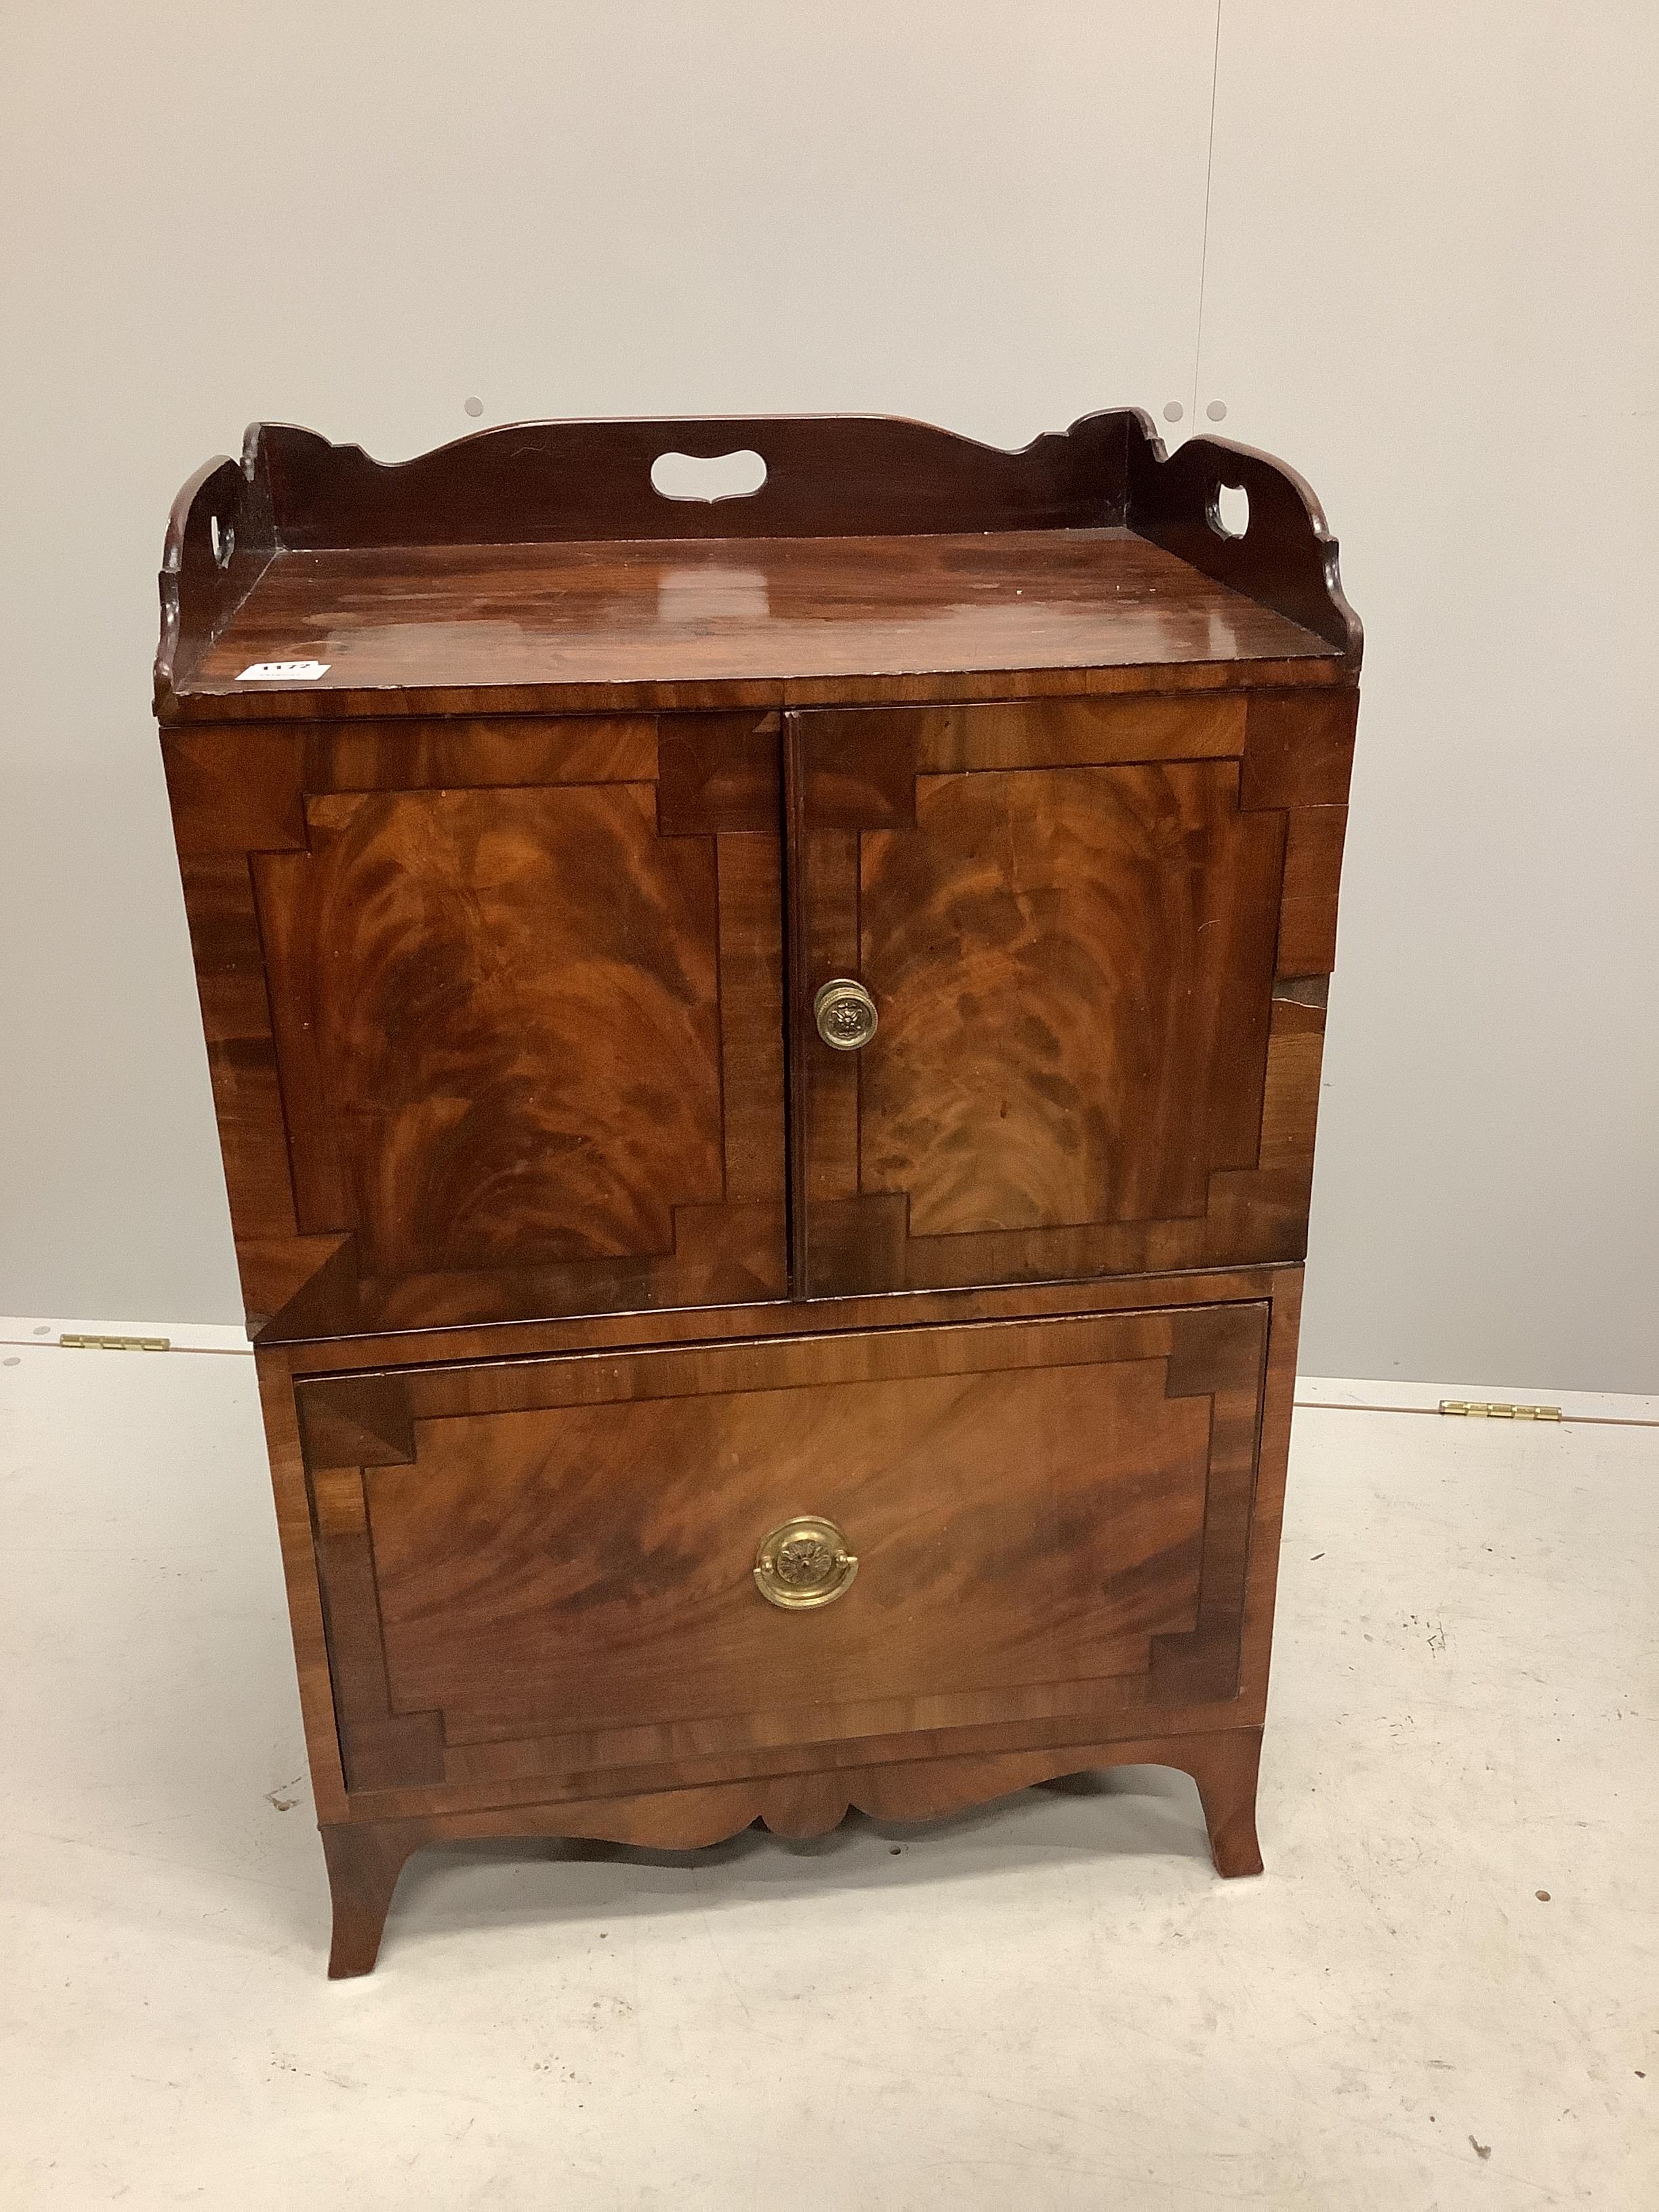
1073,920
578,1261
747,611
530,1575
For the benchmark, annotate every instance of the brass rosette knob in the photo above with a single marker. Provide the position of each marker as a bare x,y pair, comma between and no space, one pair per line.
846,1015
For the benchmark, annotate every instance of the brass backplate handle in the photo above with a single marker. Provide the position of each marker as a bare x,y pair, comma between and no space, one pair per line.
846,1014
803,1563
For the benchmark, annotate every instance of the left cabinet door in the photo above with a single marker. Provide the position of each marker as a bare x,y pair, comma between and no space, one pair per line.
493,1011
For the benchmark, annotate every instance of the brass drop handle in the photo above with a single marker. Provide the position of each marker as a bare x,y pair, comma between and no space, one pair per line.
846,1015
803,1563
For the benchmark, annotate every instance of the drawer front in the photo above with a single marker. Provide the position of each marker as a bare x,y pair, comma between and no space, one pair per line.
1093,935
495,1011
543,1572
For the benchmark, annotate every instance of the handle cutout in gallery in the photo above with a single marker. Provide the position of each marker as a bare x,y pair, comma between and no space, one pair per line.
1230,510
726,476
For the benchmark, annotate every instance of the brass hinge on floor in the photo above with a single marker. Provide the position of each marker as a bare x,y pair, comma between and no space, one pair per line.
116,1343
1498,1412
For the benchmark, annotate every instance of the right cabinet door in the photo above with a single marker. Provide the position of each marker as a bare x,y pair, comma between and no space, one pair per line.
1094,937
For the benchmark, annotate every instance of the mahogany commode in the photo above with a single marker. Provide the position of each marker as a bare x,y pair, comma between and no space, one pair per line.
767,1052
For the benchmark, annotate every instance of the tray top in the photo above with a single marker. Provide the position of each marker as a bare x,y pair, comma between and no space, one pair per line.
537,569
739,611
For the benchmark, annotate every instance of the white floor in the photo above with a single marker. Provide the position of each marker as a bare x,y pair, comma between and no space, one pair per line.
1052,2003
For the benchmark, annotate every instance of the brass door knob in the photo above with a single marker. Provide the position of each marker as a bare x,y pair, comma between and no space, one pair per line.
804,1562
846,1015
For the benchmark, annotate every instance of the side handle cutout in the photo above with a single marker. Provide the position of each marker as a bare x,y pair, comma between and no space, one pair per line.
1230,510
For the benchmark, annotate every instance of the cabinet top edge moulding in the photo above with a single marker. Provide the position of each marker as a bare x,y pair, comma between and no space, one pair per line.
538,569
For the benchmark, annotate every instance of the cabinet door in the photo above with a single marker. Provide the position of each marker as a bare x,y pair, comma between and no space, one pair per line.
519,1046
538,1577
1095,934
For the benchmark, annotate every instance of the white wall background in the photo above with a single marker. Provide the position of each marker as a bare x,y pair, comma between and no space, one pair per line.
1432,280
1416,256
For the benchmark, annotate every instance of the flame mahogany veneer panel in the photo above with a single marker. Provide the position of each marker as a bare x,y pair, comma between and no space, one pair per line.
511,998
1091,1056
